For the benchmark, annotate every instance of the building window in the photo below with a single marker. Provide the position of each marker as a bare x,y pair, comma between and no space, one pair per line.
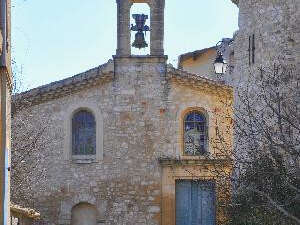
195,133
83,133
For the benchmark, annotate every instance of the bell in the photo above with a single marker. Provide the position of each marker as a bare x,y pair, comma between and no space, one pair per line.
140,27
139,41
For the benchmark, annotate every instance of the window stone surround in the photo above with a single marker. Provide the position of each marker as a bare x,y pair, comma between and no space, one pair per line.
71,110
207,112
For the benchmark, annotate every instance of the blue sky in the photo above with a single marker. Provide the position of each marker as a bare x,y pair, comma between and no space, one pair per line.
55,39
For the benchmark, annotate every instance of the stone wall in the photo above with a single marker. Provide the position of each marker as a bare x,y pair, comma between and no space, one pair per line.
142,107
276,30
268,35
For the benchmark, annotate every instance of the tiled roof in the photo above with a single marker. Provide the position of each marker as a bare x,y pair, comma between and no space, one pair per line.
68,85
91,78
191,77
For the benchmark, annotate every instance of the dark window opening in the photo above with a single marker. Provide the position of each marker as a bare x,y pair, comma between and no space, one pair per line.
195,134
253,49
83,133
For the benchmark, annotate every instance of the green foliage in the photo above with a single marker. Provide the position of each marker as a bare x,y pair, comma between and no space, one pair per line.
265,179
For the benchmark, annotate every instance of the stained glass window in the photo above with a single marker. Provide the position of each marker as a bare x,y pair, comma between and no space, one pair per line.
195,133
83,133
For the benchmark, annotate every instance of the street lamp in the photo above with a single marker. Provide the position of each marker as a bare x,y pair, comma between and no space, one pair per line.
219,64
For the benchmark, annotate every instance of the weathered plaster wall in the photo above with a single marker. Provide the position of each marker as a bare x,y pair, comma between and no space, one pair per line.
142,109
184,96
202,65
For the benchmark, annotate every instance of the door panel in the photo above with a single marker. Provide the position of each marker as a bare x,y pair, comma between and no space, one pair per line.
183,196
208,203
195,207
195,202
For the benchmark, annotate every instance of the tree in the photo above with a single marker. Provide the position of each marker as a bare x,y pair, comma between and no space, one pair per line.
267,156
28,141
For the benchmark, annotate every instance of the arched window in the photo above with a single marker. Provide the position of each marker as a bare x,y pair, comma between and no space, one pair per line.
83,133
195,133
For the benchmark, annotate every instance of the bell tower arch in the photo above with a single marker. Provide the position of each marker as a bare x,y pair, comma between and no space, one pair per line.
156,27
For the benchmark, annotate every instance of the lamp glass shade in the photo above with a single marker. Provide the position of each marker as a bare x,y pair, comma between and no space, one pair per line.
219,67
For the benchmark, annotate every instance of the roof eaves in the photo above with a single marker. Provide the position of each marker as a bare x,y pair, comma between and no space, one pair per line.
190,76
87,77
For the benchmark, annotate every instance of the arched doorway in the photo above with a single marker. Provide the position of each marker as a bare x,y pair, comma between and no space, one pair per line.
84,214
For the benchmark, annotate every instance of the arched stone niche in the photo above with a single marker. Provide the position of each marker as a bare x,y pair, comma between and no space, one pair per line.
157,8
72,208
84,214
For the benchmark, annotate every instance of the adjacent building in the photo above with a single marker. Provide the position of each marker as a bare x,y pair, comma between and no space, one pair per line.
5,92
199,62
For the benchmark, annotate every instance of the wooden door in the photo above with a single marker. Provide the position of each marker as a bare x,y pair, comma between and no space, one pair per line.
195,203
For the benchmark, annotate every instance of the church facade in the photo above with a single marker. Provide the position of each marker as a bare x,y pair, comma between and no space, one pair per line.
133,141
137,141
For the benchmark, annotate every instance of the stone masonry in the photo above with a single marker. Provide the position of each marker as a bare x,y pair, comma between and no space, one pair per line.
268,35
157,26
274,26
141,101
